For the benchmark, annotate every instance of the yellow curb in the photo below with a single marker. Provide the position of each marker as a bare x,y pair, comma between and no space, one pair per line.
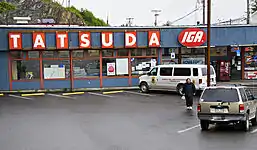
1,94
112,92
33,94
73,93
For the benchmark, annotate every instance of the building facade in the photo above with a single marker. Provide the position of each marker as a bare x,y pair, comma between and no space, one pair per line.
38,57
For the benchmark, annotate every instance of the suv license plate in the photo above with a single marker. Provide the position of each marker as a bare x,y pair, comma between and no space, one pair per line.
213,110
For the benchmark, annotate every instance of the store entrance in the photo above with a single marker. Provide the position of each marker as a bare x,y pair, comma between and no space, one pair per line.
236,66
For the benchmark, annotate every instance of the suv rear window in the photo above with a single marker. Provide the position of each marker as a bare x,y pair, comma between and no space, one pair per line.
222,94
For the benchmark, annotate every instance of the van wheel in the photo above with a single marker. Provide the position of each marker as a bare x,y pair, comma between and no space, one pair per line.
204,125
246,123
254,120
144,87
180,89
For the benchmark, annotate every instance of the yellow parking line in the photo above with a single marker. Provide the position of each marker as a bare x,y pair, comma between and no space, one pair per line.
33,94
112,92
1,94
73,93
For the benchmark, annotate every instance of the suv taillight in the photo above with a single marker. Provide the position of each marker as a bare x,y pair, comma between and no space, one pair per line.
241,108
199,107
200,81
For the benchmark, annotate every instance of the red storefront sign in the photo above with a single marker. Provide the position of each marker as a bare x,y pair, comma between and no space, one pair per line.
62,40
39,40
192,37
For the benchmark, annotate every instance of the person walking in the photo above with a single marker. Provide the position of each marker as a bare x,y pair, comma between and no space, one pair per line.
189,92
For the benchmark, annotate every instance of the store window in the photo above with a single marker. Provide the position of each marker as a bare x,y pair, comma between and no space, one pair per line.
56,69
123,52
63,54
86,68
137,52
50,54
115,67
251,62
151,52
167,54
23,67
78,54
108,53
141,65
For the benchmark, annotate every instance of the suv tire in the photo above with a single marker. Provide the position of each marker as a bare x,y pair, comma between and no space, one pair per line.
254,120
144,87
246,123
179,89
204,125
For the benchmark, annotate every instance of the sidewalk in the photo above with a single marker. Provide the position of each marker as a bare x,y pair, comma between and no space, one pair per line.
242,82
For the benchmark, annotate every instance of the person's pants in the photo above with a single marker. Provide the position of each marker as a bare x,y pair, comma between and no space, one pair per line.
189,101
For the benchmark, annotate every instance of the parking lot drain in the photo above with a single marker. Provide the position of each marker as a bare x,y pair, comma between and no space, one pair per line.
33,94
112,92
73,93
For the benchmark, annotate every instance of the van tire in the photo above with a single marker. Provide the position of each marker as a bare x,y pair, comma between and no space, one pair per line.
144,88
179,89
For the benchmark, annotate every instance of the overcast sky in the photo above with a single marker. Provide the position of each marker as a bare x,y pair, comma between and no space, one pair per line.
140,10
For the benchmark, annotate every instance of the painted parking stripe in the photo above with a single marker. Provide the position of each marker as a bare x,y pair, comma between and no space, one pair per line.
1,94
113,92
73,93
99,94
33,94
61,96
16,96
143,94
254,131
188,129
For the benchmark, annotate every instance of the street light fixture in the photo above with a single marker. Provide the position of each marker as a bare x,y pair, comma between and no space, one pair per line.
208,41
156,14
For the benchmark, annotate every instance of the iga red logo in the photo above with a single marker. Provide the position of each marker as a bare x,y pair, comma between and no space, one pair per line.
192,37
111,69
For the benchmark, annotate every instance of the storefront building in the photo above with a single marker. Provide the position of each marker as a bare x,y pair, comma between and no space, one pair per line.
86,57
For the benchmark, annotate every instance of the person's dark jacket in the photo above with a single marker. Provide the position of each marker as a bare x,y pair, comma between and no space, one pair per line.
189,89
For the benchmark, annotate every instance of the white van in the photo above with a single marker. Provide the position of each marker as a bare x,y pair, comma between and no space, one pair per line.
172,77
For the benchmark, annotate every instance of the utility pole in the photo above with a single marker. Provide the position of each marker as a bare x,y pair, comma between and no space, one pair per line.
208,42
248,11
156,14
203,2
129,21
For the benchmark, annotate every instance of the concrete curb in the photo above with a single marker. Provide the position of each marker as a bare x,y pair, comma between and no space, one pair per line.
68,90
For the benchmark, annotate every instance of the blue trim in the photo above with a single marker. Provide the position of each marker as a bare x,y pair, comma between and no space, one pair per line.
56,84
29,85
135,81
87,83
27,40
50,40
4,75
73,40
118,82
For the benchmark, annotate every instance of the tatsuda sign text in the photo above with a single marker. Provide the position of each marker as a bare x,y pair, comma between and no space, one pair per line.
84,40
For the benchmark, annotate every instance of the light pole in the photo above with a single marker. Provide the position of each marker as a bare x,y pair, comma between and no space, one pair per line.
156,14
129,21
203,2
208,42
248,11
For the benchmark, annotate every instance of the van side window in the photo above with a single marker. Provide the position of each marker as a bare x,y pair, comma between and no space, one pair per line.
154,72
182,72
242,93
195,71
166,71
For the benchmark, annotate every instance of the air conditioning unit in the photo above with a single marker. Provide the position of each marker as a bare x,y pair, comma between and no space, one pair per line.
22,20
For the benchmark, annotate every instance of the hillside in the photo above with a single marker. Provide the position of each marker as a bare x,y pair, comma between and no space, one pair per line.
46,9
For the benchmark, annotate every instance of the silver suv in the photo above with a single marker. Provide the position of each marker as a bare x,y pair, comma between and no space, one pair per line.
227,104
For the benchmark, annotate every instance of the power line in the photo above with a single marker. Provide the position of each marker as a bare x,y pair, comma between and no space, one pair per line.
185,15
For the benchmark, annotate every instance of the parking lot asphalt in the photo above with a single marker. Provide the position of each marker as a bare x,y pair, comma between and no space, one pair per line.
125,120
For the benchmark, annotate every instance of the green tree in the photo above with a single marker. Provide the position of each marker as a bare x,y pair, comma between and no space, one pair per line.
5,7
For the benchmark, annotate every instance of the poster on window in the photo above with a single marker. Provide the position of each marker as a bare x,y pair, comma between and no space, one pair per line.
122,66
54,73
111,69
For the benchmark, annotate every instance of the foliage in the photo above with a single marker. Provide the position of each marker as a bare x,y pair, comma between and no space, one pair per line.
6,7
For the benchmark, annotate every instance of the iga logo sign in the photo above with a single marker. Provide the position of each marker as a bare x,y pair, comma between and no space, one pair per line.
192,37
